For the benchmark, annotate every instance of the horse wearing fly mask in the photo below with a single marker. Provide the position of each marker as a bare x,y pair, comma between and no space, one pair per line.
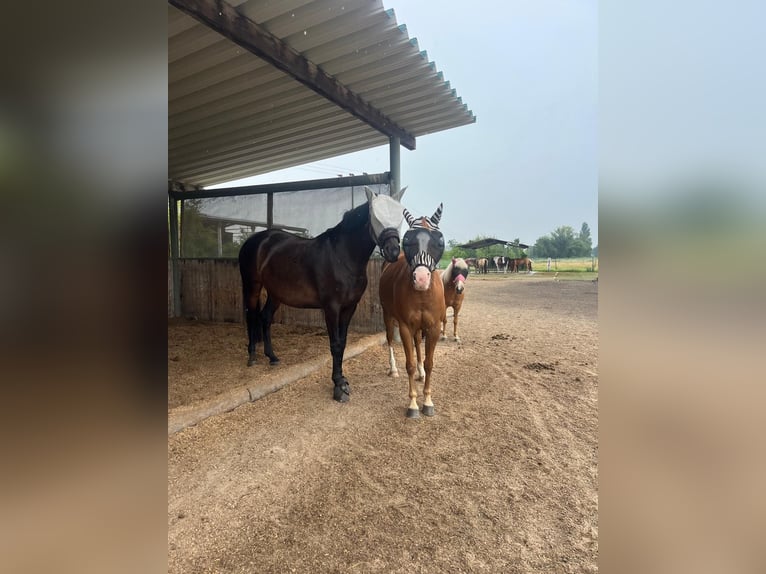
328,272
412,295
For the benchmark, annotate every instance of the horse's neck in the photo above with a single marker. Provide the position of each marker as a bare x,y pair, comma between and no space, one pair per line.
447,275
357,245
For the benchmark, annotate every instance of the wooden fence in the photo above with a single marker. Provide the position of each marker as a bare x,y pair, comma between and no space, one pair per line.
211,290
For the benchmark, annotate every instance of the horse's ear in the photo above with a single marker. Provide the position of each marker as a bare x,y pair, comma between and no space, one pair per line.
437,215
398,196
408,217
370,194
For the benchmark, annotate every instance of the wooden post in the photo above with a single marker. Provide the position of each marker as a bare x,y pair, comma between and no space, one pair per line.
220,239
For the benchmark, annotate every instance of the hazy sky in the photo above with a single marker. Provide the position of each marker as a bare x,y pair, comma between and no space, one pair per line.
529,72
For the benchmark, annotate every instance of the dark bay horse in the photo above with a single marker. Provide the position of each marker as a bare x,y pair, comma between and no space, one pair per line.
412,295
453,279
328,272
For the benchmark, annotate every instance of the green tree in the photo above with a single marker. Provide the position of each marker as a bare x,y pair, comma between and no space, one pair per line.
563,239
199,237
543,247
584,243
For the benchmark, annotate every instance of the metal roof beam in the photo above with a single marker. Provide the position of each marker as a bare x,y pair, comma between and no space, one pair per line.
221,17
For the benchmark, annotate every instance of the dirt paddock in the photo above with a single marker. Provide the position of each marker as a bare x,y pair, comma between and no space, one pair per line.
503,479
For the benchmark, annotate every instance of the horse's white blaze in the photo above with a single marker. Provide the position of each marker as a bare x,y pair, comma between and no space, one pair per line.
392,371
385,212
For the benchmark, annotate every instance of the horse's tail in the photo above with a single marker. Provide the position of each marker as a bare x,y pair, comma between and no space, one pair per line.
246,261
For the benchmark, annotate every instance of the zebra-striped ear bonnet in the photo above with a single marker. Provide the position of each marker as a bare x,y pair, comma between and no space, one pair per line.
424,222
423,242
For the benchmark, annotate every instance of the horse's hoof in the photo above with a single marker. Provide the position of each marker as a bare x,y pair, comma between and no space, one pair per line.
442,338
413,414
394,374
250,362
273,361
341,393
428,410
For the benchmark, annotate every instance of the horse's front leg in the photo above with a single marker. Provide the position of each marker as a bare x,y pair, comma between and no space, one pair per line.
456,310
408,340
337,322
431,337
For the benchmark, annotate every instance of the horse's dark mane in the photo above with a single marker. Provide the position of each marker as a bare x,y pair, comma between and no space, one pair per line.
352,220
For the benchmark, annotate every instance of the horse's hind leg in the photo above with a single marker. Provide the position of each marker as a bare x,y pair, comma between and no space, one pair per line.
443,335
253,330
253,321
389,321
267,317
418,339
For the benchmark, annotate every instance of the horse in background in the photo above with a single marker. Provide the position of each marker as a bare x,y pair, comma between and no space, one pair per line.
328,272
453,279
483,265
501,262
472,262
412,295
522,262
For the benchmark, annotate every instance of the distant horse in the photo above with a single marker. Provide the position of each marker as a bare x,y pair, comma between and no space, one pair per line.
412,295
453,278
483,265
472,262
501,262
328,272
522,262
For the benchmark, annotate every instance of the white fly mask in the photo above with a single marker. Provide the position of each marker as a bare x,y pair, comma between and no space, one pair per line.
386,216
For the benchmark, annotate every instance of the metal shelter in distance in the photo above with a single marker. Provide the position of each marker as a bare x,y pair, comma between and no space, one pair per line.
489,241
256,86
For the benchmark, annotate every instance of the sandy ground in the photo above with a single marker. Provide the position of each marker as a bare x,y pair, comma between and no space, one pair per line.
503,479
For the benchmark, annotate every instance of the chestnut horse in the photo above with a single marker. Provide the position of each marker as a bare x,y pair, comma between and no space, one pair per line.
328,272
524,262
472,262
412,295
453,278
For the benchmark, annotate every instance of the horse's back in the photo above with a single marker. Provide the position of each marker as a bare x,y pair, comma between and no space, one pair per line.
282,263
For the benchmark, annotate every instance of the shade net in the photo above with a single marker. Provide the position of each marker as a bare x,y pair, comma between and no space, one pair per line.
217,227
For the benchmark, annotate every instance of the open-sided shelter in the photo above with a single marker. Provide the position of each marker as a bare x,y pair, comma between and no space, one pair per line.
256,86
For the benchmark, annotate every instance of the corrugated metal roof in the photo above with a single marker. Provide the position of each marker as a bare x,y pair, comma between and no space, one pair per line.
233,114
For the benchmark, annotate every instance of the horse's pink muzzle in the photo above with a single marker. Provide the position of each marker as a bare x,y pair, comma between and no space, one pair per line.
459,286
421,278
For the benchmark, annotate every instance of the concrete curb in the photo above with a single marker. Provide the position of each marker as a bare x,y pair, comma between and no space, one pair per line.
182,417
